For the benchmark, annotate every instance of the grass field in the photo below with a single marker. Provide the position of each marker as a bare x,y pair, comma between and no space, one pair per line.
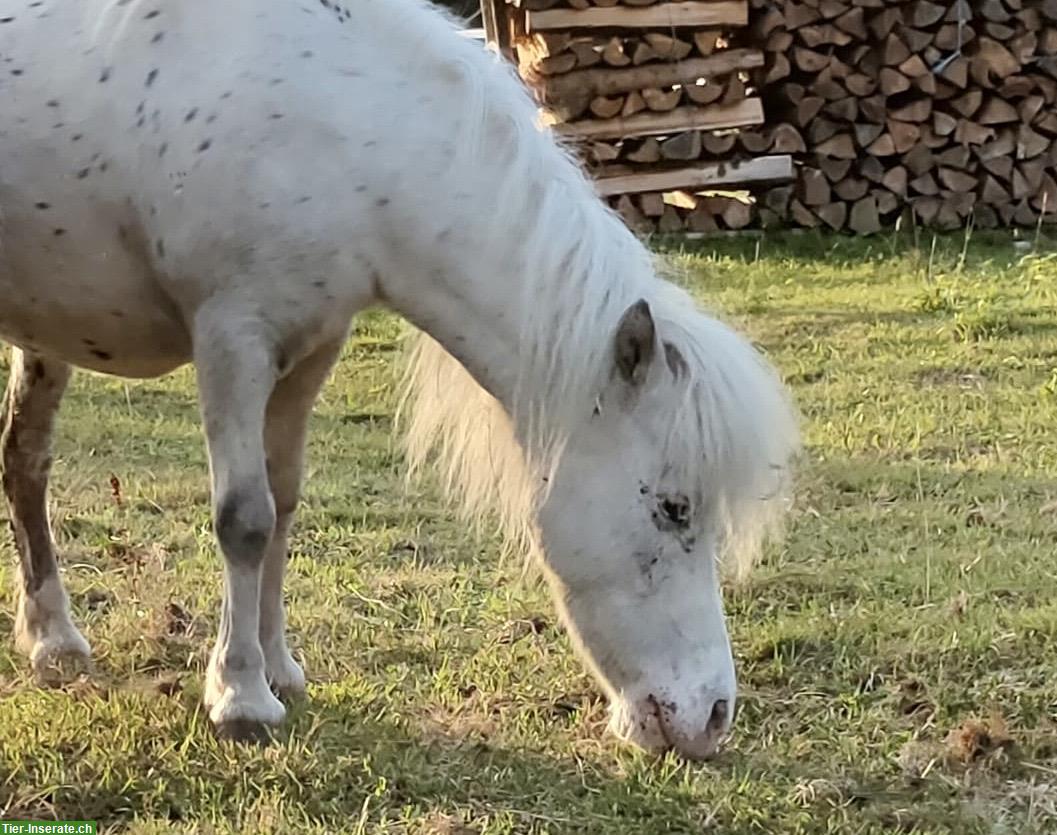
897,653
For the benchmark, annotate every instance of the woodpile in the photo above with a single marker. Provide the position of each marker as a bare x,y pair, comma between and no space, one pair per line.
946,110
657,98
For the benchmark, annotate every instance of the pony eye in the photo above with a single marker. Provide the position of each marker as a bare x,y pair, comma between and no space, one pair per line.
676,509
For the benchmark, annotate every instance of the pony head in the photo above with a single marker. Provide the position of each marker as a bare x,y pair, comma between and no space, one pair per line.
670,465
683,452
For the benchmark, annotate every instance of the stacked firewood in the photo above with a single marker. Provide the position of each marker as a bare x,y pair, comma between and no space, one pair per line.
729,161
655,94
942,109
682,211
574,73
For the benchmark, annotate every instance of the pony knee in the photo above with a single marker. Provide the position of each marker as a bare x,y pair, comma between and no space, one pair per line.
245,524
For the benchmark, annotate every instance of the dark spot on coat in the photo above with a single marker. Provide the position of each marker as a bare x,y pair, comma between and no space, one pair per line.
58,232
308,53
204,146
6,19
16,72
104,75
158,37
160,248
370,143
77,137
381,201
91,343
151,15
42,205
191,115
301,200
39,370
162,149
276,116
674,511
152,76
226,95
104,165
117,314
84,172
319,283
52,103
103,355
242,540
142,106
275,81
361,188
212,117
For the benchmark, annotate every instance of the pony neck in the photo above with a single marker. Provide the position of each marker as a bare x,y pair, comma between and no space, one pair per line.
530,313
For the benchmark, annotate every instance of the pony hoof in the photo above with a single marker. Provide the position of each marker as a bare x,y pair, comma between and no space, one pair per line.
57,661
246,732
247,714
286,678
289,695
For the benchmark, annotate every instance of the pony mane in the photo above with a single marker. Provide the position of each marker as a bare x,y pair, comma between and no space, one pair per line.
733,432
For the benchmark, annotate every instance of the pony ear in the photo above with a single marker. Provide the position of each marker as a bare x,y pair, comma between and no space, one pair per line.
636,342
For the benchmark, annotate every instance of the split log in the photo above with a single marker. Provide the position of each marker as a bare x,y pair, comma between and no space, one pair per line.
864,218
682,146
661,101
851,189
607,108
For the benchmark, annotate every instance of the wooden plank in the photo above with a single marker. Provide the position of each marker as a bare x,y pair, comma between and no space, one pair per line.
737,115
497,27
664,15
776,168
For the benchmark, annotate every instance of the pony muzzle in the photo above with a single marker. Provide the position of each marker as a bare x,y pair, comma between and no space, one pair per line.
658,725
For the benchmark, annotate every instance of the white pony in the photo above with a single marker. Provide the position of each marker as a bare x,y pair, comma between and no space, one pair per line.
228,183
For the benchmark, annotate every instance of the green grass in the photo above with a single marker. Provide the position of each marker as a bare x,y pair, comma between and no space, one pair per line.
916,591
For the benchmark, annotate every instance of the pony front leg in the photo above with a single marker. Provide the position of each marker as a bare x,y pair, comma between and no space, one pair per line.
236,376
44,630
285,428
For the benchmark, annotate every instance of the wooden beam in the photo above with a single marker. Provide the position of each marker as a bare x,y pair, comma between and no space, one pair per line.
741,114
701,177
497,27
666,15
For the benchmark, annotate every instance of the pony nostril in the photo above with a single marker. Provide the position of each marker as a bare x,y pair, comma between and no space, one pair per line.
720,712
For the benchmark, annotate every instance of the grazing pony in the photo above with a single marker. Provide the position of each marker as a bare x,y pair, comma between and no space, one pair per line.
228,183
